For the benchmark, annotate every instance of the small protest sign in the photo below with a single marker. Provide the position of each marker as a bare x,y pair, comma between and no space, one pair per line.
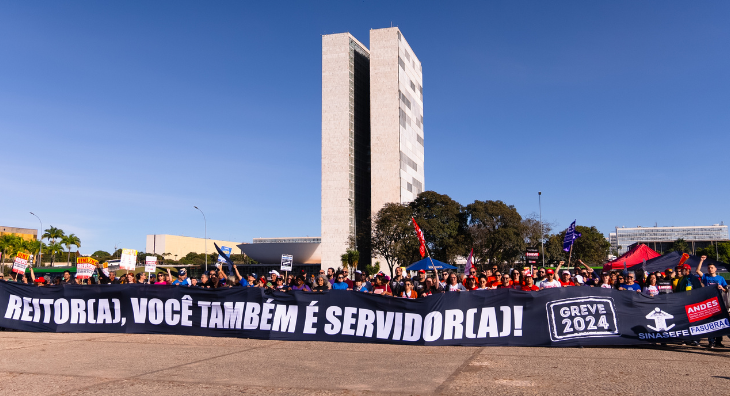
85,267
129,259
21,263
286,262
150,264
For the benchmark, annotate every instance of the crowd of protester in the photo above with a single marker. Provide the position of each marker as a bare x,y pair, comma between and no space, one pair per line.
421,285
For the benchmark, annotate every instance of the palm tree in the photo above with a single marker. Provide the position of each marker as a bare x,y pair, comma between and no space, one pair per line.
52,234
52,249
68,241
6,245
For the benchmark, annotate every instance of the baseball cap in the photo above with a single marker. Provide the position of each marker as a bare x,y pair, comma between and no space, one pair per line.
421,271
686,266
565,272
669,270
182,272
274,272
358,272
550,271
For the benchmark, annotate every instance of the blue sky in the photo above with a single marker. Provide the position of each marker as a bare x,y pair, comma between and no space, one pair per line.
117,117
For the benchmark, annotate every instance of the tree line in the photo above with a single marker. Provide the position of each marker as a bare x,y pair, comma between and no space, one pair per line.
495,230
58,243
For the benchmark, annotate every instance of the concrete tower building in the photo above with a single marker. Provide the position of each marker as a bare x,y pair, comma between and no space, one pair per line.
345,144
372,135
396,119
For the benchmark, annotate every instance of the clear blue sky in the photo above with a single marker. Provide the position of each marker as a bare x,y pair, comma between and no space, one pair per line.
117,117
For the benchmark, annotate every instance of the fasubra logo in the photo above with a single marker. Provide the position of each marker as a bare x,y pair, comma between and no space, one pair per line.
660,320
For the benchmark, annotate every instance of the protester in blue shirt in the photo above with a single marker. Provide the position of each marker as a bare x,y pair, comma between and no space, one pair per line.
360,285
182,278
630,284
241,280
712,280
339,283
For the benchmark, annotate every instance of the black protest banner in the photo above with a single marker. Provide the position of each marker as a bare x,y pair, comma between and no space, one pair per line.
557,317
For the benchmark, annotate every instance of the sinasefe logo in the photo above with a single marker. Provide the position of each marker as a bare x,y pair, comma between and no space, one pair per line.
702,310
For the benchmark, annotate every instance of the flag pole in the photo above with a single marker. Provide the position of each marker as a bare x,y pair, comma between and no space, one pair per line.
422,238
432,264
570,254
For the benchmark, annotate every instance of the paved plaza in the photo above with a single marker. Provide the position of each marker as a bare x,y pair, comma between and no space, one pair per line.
146,364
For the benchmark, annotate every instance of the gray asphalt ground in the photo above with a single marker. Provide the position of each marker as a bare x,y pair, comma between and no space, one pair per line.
141,364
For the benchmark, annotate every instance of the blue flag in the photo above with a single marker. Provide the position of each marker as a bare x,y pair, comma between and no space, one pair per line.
570,236
225,257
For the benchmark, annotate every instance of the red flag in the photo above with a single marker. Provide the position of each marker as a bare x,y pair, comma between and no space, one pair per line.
419,234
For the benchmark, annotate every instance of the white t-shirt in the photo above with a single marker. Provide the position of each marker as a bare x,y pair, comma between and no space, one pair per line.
546,284
651,290
606,286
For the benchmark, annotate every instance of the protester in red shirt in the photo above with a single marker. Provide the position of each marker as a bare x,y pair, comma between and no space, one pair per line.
470,283
381,286
529,283
516,278
565,279
503,283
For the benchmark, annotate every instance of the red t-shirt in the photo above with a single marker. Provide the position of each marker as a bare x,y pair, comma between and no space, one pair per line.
530,288
381,289
500,285
566,284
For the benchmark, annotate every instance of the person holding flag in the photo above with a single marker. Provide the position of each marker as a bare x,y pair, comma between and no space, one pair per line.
570,236
422,248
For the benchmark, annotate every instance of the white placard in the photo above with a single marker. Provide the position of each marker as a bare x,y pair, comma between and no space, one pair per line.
129,259
286,262
150,264
20,263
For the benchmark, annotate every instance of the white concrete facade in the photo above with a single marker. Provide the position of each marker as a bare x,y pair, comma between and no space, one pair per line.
372,135
344,124
396,117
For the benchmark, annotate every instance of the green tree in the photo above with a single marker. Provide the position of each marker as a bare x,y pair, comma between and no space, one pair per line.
101,256
52,234
68,241
393,238
717,251
53,248
350,259
11,244
496,231
35,246
680,245
443,223
372,269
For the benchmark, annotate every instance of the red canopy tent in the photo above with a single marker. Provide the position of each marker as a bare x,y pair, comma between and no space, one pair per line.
632,257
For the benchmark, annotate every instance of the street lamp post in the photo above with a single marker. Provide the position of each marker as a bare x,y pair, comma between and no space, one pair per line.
205,222
542,239
40,232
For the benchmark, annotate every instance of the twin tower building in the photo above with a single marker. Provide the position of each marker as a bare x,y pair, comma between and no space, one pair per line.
372,135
